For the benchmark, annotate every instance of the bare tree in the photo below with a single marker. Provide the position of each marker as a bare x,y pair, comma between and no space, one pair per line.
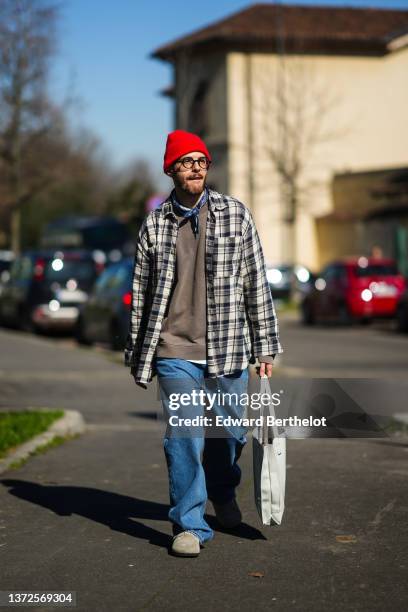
129,191
27,44
295,112
81,183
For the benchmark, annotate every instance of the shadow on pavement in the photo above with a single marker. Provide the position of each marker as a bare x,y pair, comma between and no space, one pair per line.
111,509
114,510
244,530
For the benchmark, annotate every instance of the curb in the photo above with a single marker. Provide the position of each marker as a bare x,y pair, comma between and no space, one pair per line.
401,417
71,423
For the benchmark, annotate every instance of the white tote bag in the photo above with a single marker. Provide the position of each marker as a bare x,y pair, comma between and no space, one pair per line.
269,461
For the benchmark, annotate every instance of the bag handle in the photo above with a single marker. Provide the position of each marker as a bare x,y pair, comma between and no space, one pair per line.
266,388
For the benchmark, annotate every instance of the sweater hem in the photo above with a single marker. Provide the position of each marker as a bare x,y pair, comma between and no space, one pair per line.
181,351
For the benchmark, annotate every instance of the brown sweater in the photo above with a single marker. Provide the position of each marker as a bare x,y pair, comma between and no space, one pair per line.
183,332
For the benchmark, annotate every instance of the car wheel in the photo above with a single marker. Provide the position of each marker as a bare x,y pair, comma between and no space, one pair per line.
3,320
26,321
80,334
308,317
344,316
402,319
116,342
366,321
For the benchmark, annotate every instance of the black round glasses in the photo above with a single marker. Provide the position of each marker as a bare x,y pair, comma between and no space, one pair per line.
188,162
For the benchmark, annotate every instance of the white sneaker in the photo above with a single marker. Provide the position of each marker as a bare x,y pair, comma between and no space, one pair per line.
186,544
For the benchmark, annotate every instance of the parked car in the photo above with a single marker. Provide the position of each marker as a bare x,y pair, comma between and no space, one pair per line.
354,289
402,313
107,237
6,259
46,288
105,316
287,281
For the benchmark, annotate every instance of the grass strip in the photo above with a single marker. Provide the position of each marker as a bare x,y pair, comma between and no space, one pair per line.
18,427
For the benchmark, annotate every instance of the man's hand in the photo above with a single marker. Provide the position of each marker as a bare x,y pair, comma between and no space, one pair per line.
265,369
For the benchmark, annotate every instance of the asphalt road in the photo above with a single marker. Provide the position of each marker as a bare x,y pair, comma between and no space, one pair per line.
360,351
90,515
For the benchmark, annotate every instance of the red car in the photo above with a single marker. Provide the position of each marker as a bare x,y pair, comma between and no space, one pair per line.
354,288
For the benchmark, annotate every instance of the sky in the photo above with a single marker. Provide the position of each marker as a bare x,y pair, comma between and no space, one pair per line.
103,59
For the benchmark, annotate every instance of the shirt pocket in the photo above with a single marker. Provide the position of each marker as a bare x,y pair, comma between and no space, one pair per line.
226,256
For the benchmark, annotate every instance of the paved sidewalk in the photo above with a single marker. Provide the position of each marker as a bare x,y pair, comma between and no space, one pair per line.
90,515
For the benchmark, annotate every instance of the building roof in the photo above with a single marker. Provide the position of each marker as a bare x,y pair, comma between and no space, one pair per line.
312,29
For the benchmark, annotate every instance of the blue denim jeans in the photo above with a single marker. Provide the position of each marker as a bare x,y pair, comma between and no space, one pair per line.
200,467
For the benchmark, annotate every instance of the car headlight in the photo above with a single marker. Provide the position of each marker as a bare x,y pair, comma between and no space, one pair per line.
273,276
302,274
366,295
320,284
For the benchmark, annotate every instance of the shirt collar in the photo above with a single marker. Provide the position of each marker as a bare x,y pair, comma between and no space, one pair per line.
204,196
213,203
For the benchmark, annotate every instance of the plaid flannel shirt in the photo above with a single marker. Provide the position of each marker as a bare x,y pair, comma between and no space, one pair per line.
241,318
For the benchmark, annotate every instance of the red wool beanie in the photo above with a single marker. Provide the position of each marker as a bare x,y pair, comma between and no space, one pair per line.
180,143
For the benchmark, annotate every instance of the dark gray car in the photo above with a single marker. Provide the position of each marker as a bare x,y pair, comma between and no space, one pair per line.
46,288
105,316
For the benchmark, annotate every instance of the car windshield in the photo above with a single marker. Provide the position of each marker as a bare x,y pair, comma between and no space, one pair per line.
104,236
61,270
376,270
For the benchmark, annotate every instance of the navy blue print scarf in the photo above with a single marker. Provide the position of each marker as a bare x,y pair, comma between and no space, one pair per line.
191,212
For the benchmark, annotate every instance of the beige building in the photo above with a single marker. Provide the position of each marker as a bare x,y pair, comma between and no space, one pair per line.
305,112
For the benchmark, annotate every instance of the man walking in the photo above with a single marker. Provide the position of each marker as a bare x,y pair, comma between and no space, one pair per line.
201,312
